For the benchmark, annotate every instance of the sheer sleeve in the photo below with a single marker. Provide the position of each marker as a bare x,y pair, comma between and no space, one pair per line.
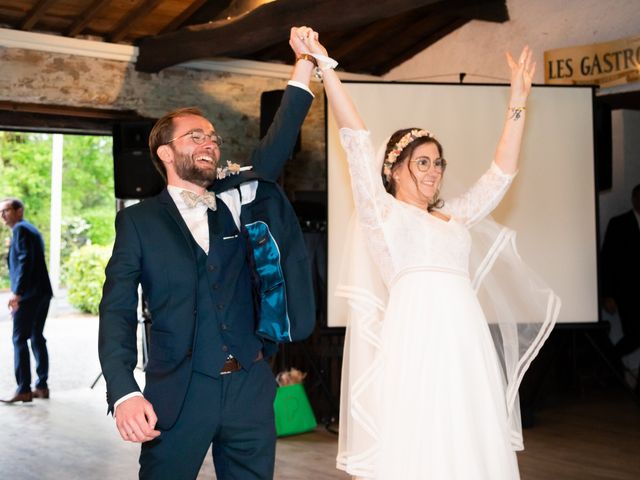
480,200
372,201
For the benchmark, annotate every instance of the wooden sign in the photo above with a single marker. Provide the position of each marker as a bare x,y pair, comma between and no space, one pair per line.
604,64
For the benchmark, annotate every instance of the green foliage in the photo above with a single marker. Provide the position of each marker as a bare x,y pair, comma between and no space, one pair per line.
88,203
74,233
25,173
100,221
85,277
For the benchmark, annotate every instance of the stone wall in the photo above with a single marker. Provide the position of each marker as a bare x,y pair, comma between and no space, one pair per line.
231,101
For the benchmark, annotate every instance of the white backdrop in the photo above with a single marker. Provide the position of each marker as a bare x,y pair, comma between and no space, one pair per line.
552,202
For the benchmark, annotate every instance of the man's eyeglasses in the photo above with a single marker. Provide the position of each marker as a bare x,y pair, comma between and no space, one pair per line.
198,136
5,210
424,163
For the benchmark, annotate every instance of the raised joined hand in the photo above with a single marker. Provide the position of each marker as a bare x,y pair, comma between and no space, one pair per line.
312,42
297,40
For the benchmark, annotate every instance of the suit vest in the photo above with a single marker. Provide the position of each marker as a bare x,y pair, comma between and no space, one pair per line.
225,316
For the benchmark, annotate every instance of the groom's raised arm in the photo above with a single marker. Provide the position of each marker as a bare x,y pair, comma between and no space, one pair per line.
276,147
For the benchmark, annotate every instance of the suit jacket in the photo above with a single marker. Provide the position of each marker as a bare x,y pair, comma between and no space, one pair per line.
27,267
154,248
620,258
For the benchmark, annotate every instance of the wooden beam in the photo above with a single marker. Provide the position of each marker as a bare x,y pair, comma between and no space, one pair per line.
412,32
262,27
364,38
86,16
208,12
61,119
36,14
184,16
420,44
487,10
121,30
66,110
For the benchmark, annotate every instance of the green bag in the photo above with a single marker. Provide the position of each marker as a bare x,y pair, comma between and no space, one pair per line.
293,411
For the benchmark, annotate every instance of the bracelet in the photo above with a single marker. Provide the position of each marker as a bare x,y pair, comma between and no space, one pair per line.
308,57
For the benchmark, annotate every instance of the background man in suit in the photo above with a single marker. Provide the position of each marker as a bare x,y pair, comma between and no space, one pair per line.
29,303
621,273
207,381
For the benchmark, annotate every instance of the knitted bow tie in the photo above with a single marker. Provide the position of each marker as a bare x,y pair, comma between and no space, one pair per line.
192,199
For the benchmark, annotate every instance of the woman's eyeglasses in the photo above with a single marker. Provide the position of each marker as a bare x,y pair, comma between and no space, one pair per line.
424,163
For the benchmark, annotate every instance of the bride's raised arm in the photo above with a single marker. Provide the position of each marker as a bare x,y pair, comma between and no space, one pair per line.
508,149
344,110
477,202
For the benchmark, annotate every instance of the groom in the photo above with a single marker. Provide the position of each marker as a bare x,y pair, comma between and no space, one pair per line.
215,267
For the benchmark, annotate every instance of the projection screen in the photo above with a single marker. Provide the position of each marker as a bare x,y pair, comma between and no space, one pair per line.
551,204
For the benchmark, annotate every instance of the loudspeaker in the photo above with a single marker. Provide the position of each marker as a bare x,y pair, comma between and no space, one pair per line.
269,103
134,173
603,145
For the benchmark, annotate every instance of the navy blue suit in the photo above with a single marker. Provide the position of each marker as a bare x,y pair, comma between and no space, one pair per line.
30,280
203,309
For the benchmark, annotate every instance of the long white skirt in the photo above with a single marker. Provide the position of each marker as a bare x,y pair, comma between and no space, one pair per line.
442,411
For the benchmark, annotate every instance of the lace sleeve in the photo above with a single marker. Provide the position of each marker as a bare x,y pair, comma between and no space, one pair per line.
480,200
371,200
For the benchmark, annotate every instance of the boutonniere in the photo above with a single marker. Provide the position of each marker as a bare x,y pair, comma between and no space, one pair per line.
231,169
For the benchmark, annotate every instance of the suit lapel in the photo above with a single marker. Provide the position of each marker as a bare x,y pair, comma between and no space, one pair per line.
170,207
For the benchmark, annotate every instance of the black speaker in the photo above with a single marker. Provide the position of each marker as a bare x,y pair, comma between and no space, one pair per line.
603,145
133,170
269,103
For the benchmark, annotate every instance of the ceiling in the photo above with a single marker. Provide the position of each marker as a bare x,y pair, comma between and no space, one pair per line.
365,36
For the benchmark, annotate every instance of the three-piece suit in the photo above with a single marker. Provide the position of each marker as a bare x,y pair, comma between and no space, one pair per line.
207,307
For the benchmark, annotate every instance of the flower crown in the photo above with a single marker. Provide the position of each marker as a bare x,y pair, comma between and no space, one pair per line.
401,145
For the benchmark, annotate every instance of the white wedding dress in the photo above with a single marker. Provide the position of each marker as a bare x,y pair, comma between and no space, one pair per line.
428,398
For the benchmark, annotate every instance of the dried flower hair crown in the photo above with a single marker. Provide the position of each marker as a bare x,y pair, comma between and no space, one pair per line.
395,152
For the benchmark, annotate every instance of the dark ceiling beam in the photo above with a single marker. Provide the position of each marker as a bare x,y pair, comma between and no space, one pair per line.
359,50
419,29
211,10
36,14
86,17
364,39
487,10
419,43
264,26
33,117
125,25
184,17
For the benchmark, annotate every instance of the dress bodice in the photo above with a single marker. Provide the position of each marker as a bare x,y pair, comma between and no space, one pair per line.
402,237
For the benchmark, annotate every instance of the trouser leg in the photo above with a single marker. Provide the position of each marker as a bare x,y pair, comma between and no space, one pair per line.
22,326
244,449
39,343
177,454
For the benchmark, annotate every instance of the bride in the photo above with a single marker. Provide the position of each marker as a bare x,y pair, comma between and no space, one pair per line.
444,317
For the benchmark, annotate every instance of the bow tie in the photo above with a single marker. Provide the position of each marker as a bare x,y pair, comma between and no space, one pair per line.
192,199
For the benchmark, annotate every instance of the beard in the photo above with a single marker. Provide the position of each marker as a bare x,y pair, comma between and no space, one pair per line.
188,170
